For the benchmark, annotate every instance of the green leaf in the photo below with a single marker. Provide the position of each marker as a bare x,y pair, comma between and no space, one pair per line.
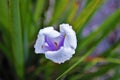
76,64
111,49
38,9
58,10
4,13
25,25
73,10
101,71
86,14
6,51
17,43
66,13
104,29
101,32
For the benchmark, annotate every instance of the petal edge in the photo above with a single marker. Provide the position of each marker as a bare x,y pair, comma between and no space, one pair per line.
70,38
60,56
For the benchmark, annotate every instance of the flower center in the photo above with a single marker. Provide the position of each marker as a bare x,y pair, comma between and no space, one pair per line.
53,44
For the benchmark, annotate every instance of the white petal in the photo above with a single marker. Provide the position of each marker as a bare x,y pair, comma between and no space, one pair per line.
39,42
70,36
60,56
49,31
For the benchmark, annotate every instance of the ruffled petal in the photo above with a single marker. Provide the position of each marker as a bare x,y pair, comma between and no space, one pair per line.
70,36
60,56
39,42
57,46
50,32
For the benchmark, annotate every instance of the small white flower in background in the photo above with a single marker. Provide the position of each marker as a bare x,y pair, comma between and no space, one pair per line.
57,46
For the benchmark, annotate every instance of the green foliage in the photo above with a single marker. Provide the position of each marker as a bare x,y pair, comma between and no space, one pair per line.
20,21
16,38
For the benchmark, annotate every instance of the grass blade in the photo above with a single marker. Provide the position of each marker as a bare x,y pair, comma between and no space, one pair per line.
17,44
104,29
113,20
77,63
58,10
25,23
86,14
38,9
4,13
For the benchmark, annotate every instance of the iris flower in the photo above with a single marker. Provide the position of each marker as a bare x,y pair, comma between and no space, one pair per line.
57,46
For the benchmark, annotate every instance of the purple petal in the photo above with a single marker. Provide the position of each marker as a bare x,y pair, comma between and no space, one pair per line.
50,43
61,42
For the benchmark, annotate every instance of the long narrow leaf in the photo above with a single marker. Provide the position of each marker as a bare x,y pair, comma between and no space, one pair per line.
4,13
113,20
76,64
86,14
59,8
24,9
106,27
17,44
38,9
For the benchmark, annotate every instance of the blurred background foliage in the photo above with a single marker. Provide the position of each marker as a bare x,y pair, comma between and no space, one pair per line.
97,26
